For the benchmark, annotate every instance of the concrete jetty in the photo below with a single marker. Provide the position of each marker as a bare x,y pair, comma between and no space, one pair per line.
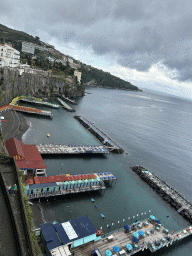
70,150
145,235
40,103
33,111
67,107
111,145
169,194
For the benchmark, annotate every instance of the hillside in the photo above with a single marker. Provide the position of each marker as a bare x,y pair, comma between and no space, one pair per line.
90,76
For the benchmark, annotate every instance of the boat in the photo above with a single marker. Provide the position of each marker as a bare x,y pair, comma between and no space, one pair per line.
92,200
48,135
103,216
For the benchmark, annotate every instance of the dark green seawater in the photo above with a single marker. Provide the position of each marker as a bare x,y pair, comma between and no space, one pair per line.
153,128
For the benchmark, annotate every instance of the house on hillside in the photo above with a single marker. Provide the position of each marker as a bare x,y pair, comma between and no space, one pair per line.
9,57
27,157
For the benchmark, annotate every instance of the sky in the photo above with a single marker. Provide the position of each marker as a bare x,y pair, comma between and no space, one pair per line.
145,42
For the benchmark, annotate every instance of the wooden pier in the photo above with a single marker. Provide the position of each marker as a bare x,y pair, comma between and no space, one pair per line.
111,145
173,197
70,150
32,111
64,105
40,103
154,237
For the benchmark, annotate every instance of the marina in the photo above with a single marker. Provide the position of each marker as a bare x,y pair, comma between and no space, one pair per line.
112,146
33,111
45,187
70,149
64,105
40,103
146,235
169,194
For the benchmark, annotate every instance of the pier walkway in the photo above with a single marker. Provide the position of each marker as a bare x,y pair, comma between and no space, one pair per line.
33,111
169,194
111,145
69,150
45,187
40,103
153,238
69,100
67,107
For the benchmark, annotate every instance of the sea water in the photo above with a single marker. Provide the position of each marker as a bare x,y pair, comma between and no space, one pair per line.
153,128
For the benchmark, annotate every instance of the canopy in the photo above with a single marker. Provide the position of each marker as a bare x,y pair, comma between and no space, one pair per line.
86,180
66,182
141,233
135,239
116,249
108,253
129,247
126,227
152,217
73,182
135,234
79,181
92,180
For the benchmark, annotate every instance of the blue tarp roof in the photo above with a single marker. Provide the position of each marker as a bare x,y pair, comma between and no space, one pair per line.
50,236
82,226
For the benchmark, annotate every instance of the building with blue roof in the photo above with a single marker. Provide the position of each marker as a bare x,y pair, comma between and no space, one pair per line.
60,237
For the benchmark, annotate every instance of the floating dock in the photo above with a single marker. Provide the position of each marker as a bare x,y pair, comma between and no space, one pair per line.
112,146
67,107
45,187
70,150
33,111
69,100
173,197
40,103
140,236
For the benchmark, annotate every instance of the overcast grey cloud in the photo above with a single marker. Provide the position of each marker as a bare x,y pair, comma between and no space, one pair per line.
133,34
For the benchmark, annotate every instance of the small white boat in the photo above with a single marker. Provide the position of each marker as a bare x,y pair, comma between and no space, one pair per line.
48,135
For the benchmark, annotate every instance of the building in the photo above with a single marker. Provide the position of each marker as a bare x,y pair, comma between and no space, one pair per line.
59,238
78,75
9,56
28,47
27,157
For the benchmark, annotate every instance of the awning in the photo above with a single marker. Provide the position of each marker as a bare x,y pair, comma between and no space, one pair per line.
116,249
108,253
129,247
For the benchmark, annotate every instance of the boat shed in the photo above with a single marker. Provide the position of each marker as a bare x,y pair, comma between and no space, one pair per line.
59,238
27,157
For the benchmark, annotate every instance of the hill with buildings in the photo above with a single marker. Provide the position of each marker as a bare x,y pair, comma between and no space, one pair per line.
39,55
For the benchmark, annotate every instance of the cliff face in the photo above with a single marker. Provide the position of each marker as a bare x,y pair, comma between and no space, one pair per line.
40,84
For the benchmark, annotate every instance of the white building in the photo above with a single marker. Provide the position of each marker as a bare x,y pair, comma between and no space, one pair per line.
9,56
28,47
78,75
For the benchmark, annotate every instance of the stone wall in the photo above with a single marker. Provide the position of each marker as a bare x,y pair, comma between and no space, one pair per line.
40,84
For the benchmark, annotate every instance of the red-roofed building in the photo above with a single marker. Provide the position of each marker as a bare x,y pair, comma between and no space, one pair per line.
27,157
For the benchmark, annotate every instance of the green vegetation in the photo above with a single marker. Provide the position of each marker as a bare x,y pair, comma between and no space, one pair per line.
29,216
104,79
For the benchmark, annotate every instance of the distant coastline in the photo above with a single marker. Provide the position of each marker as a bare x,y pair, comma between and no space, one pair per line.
123,89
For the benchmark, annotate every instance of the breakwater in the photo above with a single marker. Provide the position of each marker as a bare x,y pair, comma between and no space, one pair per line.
111,145
169,194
